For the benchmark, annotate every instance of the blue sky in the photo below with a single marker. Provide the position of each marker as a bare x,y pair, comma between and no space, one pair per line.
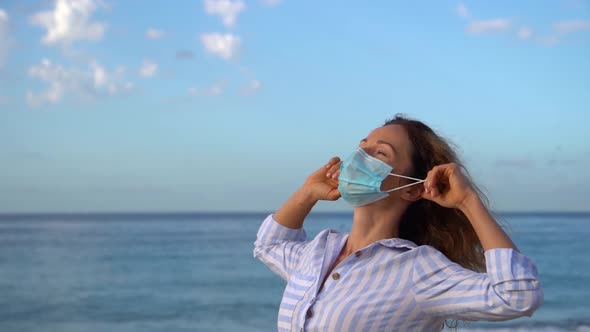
227,105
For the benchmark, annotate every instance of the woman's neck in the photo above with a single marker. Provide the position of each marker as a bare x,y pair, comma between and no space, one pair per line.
371,224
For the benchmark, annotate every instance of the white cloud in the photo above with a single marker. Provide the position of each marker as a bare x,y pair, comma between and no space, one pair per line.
100,76
562,29
462,11
148,69
69,21
5,40
489,26
224,46
270,3
89,83
252,87
154,33
214,90
566,27
525,33
228,10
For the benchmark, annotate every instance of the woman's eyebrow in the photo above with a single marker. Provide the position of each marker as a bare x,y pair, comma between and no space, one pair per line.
382,142
390,145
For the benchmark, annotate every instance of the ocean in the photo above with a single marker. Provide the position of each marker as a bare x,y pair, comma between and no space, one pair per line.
196,272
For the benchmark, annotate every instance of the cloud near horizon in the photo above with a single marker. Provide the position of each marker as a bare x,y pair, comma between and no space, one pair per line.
489,26
252,87
148,69
214,90
562,29
525,33
571,26
89,83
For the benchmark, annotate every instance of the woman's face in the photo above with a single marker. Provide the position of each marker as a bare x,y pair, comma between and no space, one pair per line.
391,145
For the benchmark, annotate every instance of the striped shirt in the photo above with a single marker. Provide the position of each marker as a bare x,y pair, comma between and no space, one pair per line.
390,285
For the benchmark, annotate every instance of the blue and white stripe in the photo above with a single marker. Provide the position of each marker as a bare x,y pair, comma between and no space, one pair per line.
390,285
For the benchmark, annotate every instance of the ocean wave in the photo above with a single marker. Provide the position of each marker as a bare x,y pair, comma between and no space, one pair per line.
570,325
585,328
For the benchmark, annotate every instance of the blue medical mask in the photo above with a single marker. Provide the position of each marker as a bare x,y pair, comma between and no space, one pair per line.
361,176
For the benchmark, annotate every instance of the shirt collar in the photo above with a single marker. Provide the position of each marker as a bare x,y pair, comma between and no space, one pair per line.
390,243
397,243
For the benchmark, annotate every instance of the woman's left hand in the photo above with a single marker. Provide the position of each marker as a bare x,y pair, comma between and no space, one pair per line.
447,186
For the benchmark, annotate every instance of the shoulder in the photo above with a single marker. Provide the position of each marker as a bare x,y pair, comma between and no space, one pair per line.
432,266
429,259
428,250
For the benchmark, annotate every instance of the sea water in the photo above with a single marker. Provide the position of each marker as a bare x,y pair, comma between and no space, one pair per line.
196,272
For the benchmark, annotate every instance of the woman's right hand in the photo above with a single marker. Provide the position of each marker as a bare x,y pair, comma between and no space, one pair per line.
320,185
323,183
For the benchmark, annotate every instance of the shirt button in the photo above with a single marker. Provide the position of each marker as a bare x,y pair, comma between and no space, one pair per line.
358,254
336,276
309,314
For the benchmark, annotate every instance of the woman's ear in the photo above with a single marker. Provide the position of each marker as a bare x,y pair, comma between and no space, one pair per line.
413,193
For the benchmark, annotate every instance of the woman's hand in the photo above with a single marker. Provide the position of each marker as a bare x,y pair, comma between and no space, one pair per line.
447,186
323,183
458,193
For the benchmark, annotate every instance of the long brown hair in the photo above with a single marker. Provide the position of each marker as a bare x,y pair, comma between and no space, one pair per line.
427,223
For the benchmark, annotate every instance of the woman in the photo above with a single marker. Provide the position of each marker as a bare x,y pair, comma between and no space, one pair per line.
416,249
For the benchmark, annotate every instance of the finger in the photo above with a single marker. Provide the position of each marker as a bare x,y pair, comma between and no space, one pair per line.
431,197
334,171
431,179
336,174
332,182
333,195
332,161
434,179
427,195
322,170
425,187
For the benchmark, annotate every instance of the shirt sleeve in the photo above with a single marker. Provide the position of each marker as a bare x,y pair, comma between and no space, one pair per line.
279,247
509,289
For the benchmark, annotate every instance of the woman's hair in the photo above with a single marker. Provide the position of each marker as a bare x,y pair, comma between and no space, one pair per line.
427,223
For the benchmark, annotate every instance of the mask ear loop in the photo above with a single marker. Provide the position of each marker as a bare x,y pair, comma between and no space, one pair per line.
406,177
407,185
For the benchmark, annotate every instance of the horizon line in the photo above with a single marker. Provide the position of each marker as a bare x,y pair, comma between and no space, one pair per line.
148,214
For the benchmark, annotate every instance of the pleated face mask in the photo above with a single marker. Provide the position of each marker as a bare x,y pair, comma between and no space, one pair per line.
361,176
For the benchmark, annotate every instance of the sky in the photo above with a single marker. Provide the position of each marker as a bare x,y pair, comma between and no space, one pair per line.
228,105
